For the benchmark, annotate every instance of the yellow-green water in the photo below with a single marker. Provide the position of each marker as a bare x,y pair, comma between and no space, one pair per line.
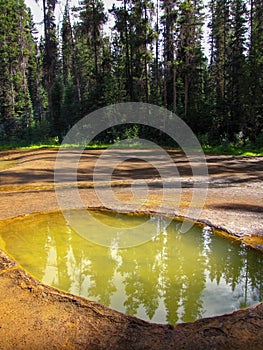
174,277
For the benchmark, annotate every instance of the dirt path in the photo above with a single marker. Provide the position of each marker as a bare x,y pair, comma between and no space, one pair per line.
33,316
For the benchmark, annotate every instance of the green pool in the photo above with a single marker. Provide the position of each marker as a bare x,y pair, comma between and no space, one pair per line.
174,277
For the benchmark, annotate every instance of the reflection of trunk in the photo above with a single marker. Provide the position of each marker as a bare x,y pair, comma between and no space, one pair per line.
246,282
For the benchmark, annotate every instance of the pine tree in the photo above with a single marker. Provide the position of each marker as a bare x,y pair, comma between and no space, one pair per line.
123,47
16,44
155,70
72,99
92,18
236,88
228,70
152,55
169,22
35,77
219,39
134,34
190,59
142,36
88,34
52,73
255,90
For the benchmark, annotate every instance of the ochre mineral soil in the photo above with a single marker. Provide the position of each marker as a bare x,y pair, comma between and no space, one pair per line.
35,316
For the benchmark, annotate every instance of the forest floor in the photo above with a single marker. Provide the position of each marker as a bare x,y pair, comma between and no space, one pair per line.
34,316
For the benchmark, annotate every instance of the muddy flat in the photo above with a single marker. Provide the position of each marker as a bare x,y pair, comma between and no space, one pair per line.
229,197
233,200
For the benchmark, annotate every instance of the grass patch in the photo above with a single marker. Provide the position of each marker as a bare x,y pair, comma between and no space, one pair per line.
15,146
18,146
224,149
232,150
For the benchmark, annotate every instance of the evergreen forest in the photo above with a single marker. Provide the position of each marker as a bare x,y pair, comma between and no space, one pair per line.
151,51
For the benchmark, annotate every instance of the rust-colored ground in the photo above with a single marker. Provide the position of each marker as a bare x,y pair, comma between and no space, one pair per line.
33,316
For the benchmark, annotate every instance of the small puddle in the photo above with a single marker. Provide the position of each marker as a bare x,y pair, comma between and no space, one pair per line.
172,278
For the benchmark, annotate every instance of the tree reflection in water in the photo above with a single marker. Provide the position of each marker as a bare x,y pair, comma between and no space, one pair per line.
172,278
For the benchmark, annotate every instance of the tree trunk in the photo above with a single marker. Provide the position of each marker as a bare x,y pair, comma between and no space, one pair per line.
145,60
94,35
129,78
76,71
186,94
174,90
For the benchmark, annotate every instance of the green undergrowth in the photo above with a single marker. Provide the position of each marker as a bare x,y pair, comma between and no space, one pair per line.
228,149
232,150
17,146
